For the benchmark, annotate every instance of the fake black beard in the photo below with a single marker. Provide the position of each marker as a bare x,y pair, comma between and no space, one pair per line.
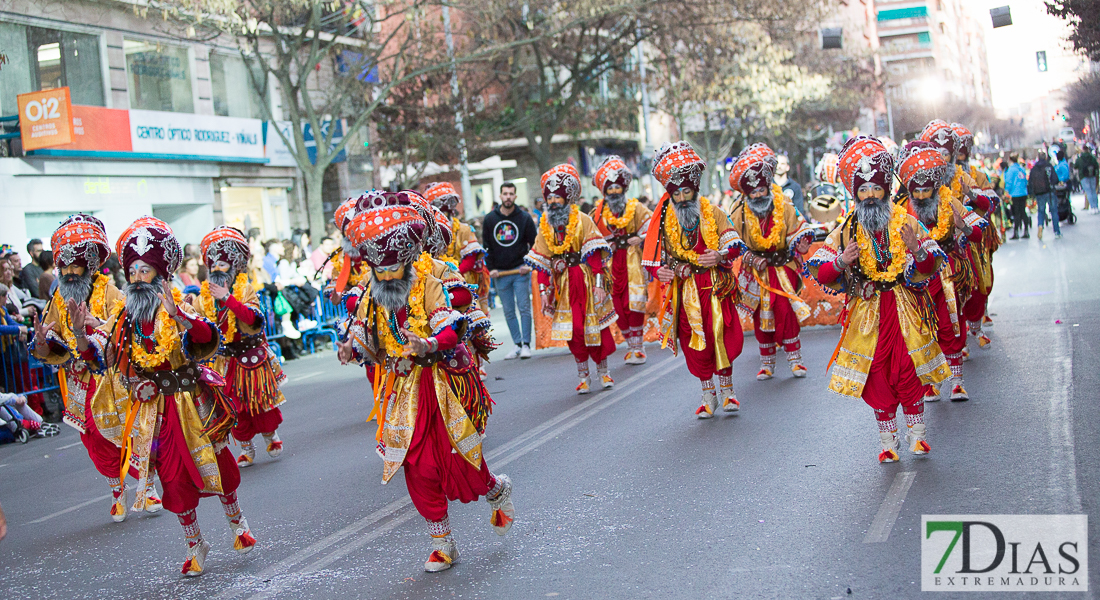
222,278
760,206
75,287
687,213
143,299
873,215
349,249
617,203
928,209
558,215
394,293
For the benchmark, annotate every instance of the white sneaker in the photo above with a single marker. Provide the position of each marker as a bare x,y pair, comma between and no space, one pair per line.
503,510
288,329
196,559
917,439
709,405
444,554
525,351
306,324
514,354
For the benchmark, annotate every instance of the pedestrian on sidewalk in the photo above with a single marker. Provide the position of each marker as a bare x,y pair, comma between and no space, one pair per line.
1040,184
1016,189
508,235
1087,168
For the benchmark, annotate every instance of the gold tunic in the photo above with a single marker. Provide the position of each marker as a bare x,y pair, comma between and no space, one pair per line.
637,289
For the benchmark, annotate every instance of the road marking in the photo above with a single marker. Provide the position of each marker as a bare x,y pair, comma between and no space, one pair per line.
891,506
1063,456
304,377
70,509
67,446
522,444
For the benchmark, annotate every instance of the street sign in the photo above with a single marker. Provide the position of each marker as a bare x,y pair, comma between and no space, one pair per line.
1001,16
1041,60
45,118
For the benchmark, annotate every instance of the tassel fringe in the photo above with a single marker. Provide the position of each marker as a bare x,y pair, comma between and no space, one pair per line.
499,519
245,540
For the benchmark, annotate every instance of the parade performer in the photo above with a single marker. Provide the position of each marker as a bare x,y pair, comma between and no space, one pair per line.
876,257
433,407
252,372
946,138
954,227
80,248
178,418
775,238
623,224
984,201
690,247
464,249
569,255
347,265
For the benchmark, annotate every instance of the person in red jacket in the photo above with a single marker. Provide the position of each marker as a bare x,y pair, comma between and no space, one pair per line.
690,247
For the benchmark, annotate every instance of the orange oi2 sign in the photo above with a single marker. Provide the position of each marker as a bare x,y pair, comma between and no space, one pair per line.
45,118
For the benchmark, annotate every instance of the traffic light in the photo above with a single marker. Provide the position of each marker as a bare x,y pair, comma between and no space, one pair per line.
1041,60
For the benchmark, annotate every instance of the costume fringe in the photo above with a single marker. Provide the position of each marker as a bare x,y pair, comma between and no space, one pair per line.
473,395
483,343
926,309
255,389
245,540
963,277
223,415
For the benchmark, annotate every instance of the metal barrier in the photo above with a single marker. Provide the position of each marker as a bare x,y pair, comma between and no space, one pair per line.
21,372
326,315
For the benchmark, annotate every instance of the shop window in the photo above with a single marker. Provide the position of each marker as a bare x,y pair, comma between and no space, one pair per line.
233,90
43,59
159,77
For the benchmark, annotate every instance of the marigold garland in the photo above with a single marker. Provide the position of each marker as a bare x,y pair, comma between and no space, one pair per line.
97,300
570,231
620,222
943,216
453,250
167,341
210,307
867,260
709,227
417,315
760,242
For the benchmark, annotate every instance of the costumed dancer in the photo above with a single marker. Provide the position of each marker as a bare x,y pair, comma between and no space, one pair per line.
945,138
623,223
569,255
80,248
876,257
434,408
347,266
690,247
775,238
954,227
983,200
178,418
252,372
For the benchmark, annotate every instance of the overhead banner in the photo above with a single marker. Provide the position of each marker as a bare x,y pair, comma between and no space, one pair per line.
156,132
45,118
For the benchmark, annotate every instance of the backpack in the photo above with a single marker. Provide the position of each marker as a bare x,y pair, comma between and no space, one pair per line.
1038,182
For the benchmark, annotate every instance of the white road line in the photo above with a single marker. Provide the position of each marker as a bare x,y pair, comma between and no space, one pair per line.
891,506
67,446
549,431
70,509
304,377
1063,456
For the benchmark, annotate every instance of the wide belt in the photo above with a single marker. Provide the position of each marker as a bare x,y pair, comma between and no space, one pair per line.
682,268
183,379
243,346
561,262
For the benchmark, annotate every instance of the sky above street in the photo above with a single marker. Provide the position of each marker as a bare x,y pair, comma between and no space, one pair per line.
1013,74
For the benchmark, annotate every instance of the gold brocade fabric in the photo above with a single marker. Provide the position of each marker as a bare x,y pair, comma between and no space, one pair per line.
637,288
597,316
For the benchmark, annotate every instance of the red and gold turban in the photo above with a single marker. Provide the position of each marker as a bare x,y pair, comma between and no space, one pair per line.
964,139
677,165
612,171
437,230
753,169
151,241
921,166
865,160
388,229
441,193
941,135
226,244
82,240
562,180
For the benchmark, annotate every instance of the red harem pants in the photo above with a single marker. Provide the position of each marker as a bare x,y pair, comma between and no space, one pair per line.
106,456
893,378
250,424
626,319
702,363
950,343
178,474
787,327
434,474
578,303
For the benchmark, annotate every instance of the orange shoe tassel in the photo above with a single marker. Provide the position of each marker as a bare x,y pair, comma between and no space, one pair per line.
439,557
500,519
245,540
191,566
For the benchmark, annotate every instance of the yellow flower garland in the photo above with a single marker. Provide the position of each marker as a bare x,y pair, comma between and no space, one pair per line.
623,221
211,308
97,301
709,229
453,251
570,231
943,215
167,341
867,260
760,242
417,317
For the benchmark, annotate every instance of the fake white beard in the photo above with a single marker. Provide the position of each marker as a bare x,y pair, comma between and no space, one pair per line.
617,203
873,215
558,216
75,287
143,299
928,209
760,206
687,213
394,293
224,279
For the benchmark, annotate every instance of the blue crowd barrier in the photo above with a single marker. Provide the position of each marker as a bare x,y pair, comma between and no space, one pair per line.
325,314
21,372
